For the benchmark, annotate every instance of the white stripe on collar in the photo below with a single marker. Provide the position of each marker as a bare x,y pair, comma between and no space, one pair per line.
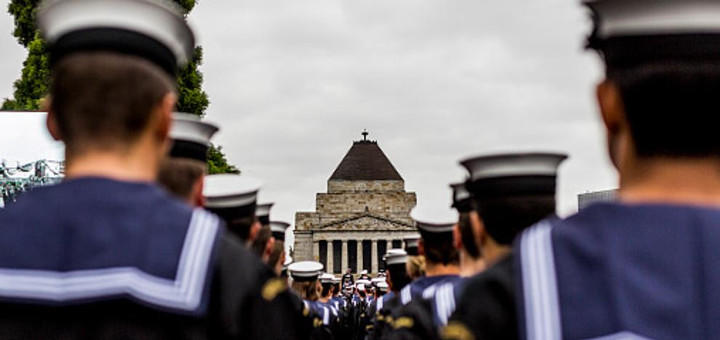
184,293
405,295
542,316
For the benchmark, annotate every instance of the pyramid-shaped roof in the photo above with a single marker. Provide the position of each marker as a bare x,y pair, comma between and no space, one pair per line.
365,162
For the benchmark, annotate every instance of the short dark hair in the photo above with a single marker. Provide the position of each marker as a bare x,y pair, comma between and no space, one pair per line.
105,99
439,248
178,175
671,107
398,276
326,289
505,217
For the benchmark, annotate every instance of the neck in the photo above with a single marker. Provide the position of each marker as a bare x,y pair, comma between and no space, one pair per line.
670,180
494,252
470,266
437,269
138,163
324,299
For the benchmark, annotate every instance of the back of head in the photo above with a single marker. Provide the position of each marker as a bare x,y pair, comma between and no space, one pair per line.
179,175
439,248
415,267
398,276
667,70
105,100
306,289
506,216
677,99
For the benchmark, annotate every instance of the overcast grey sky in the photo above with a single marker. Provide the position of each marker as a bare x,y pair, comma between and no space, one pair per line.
293,83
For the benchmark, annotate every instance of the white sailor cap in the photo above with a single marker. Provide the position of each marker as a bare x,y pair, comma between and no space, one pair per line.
363,282
262,211
411,244
336,280
153,30
190,136
225,193
461,197
278,229
305,270
383,287
513,173
396,256
363,272
434,221
377,280
326,278
631,32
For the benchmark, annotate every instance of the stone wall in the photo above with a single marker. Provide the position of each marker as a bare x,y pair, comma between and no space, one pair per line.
340,186
387,203
303,246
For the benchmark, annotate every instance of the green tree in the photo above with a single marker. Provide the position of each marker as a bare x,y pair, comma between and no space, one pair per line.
32,86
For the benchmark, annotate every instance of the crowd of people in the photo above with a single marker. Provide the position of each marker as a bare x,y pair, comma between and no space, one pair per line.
139,243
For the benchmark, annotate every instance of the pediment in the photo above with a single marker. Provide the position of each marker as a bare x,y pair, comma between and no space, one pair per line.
366,222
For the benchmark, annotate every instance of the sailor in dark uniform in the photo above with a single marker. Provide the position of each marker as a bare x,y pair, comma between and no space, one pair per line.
277,255
107,254
183,171
441,257
348,279
239,212
646,266
234,198
430,314
395,264
305,283
264,241
510,192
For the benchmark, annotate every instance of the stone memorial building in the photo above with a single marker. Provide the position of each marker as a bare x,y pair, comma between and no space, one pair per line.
365,211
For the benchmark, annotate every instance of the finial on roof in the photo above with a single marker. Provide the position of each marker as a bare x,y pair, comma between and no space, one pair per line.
365,134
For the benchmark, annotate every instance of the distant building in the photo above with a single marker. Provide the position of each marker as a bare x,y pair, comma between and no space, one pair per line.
365,211
597,196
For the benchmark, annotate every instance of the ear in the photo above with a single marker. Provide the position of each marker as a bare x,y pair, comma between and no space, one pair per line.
457,237
478,227
51,122
269,246
196,197
421,247
164,115
612,111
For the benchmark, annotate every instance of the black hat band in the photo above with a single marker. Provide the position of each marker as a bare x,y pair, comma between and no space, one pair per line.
497,187
115,40
187,149
625,52
278,236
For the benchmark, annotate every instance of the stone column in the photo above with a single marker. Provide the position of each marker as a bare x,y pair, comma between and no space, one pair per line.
359,251
344,255
374,256
329,262
316,251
